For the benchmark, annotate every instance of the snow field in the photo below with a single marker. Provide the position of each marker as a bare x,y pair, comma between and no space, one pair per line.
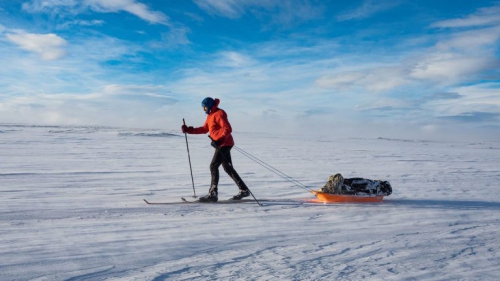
71,208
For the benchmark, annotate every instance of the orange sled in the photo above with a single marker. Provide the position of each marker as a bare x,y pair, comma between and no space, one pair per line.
341,198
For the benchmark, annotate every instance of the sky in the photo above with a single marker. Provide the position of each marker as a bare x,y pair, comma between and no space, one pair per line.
403,69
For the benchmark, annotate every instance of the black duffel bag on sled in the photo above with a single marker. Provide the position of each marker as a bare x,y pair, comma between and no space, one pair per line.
337,184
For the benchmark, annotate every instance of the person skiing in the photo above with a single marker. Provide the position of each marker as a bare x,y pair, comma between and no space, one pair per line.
220,130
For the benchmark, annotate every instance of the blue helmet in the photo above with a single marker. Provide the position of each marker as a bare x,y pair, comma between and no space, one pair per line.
208,103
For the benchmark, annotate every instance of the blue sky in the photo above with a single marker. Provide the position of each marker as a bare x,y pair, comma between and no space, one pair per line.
423,69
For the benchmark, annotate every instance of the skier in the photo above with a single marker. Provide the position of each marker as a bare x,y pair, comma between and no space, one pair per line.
220,130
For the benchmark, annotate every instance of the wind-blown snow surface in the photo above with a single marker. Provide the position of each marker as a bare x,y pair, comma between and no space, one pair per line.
71,209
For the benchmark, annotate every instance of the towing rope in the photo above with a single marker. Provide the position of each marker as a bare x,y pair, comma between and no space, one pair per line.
272,169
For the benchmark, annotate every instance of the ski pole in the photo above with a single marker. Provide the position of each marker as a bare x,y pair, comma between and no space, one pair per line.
230,164
189,157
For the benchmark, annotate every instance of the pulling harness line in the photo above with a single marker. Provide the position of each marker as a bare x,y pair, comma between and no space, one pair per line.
272,169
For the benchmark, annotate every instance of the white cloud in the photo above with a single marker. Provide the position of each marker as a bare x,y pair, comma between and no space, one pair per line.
470,41
136,8
449,68
103,6
378,79
367,9
177,36
122,105
340,81
483,17
386,78
234,59
280,12
227,8
48,46
69,24
152,91
475,98
459,57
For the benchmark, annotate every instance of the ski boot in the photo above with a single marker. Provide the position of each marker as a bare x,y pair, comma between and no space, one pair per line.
243,193
211,197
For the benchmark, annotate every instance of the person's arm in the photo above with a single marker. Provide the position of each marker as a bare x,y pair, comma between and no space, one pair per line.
199,130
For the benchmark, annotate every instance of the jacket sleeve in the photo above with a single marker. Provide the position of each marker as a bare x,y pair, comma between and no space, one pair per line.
201,130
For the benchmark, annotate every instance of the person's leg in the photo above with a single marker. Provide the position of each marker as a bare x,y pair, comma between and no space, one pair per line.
229,169
217,160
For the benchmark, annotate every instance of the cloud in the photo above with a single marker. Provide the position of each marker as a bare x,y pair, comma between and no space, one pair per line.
382,78
444,96
316,111
136,8
227,8
279,12
449,68
473,99
367,9
483,17
340,81
123,105
470,41
177,36
152,93
474,117
48,46
53,6
234,59
69,24
456,58
102,6
459,57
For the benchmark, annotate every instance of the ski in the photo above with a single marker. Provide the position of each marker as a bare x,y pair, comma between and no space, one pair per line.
162,203
228,201
186,201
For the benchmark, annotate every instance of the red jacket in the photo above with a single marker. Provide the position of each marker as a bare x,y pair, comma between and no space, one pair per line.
217,125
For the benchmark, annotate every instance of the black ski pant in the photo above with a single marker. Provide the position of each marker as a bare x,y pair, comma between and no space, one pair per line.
222,156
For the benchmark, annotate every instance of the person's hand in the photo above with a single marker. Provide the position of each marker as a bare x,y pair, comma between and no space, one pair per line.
215,144
185,129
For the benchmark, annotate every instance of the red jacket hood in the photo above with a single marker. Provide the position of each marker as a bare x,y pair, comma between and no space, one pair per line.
216,105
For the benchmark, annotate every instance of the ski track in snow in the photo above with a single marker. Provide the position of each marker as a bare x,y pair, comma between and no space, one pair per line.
71,208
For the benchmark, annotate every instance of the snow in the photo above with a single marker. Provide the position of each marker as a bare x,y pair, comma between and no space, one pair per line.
71,208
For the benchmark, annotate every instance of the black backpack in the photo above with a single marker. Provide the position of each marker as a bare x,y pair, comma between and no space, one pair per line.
337,184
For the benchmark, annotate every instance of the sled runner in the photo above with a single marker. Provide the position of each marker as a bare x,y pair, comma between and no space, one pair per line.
343,198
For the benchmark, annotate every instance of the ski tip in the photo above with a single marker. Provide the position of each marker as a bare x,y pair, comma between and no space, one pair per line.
146,201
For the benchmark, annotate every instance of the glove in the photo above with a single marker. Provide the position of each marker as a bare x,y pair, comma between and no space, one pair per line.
185,129
215,144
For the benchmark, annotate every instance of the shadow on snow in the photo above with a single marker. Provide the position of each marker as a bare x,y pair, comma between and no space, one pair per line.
444,204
